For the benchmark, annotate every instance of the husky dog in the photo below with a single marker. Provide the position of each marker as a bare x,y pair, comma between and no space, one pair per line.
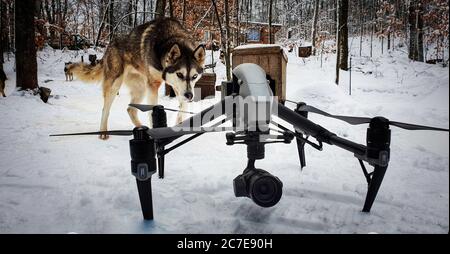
2,81
67,72
153,53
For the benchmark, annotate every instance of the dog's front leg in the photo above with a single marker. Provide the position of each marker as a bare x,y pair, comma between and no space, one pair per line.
183,107
152,99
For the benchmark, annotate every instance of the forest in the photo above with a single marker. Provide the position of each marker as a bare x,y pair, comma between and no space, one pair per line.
420,27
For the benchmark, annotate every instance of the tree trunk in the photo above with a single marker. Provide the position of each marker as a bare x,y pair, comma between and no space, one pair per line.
26,65
372,28
111,20
343,34
160,8
227,50
130,10
314,26
135,13
152,15
170,8
238,26
389,41
102,23
2,30
416,32
361,21
342,40
144,8
184,11
270,22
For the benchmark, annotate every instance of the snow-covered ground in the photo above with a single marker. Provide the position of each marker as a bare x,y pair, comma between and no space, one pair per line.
84,185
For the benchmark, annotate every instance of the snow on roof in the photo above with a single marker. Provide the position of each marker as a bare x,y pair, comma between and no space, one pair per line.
250,46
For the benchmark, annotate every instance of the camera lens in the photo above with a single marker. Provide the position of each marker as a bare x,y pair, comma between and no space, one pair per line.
265,189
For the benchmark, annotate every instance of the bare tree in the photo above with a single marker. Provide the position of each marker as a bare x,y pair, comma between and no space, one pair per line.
26,65
184,11
416,31
160,8
144,9
111,20
171,9
270,21
314,26
342,40
227,49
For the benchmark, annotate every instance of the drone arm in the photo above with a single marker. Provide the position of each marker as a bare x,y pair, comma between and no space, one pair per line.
166,151
357,149
206,116
311,129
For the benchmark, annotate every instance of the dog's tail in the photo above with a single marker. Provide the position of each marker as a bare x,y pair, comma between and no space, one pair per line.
87,72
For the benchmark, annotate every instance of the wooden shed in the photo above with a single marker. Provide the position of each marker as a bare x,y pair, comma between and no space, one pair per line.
271,58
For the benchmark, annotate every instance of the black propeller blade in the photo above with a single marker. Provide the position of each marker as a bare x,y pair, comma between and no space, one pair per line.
157,133
415,127
364,120
146,108
354,120
111,133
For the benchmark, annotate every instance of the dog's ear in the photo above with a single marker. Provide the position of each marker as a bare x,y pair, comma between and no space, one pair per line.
200,54
173,54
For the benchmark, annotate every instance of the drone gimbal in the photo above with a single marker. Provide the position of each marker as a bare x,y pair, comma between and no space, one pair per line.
249,104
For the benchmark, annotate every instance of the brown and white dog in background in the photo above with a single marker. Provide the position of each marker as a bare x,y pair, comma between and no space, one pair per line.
67,72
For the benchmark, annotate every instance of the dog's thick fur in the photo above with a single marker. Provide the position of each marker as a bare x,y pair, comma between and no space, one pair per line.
2,81
158,51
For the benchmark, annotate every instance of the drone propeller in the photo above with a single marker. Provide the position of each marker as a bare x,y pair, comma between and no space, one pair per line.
110,133
364,120
157,133
146,108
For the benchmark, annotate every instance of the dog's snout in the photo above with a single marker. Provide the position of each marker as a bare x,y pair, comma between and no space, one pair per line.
189,95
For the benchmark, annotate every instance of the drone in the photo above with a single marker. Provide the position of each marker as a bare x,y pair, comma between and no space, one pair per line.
249,104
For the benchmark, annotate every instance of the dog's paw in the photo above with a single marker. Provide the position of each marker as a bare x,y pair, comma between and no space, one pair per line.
179,118
103,137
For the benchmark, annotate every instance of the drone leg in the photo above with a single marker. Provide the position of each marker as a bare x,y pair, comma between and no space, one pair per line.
301,143
145,196
143,166
301,151
378,150
161,166
374,186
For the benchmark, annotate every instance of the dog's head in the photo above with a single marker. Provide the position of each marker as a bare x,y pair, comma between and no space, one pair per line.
183,67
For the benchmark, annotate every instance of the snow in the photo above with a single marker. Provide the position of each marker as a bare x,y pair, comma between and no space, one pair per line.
84,185
256,45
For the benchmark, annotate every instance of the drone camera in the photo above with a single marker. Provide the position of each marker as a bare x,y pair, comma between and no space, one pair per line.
262,187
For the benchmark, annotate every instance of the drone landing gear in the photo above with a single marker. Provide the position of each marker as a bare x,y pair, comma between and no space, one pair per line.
300,141
378,154
143,166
